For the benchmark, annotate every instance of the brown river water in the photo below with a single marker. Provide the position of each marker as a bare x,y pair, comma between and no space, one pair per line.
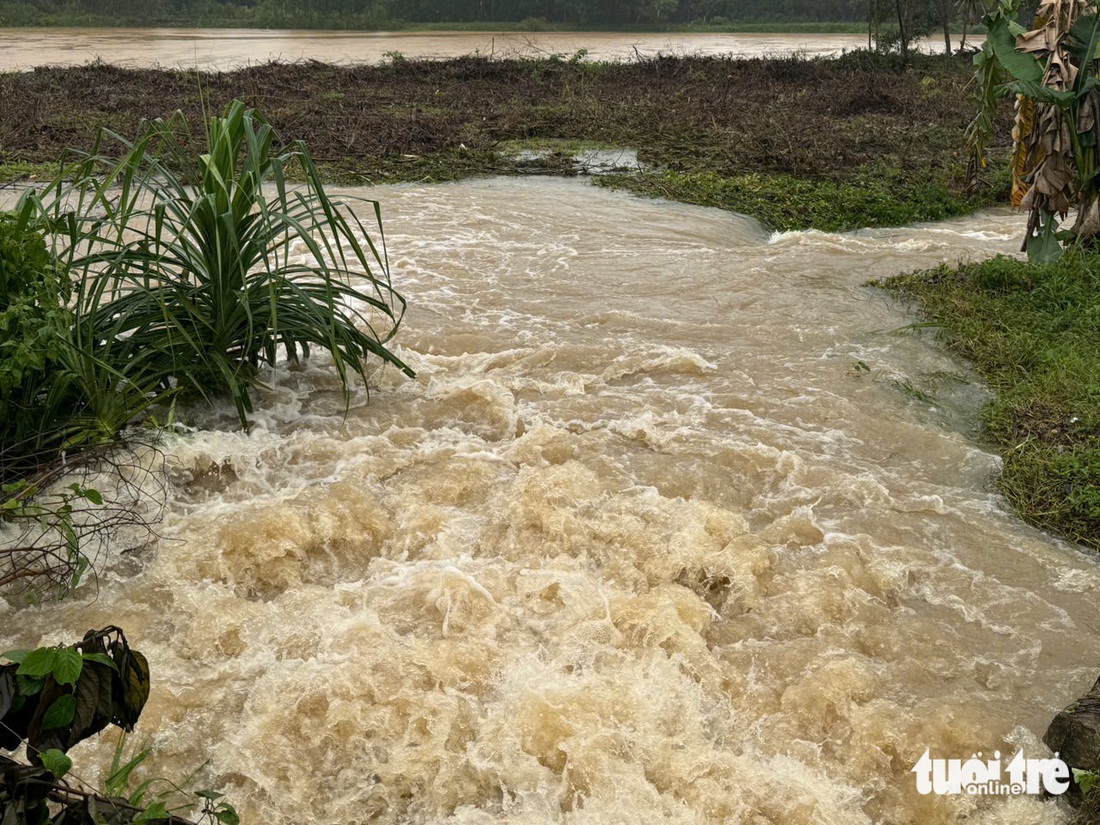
22,49
640,544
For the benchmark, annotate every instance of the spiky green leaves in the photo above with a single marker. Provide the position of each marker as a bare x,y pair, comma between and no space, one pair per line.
196,273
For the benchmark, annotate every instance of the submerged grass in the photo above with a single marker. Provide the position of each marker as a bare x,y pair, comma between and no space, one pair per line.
1033,332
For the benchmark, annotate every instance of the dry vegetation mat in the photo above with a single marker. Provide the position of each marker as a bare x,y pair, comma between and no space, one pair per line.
861,140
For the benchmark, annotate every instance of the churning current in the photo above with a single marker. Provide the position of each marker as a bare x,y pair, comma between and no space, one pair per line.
673,526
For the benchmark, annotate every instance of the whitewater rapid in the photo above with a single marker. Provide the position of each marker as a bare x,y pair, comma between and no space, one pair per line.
660,533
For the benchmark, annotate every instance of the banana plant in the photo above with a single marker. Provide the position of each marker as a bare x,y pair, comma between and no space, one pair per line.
1052,71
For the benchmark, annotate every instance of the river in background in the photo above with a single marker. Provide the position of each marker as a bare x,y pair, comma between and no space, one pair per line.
657,535
22,49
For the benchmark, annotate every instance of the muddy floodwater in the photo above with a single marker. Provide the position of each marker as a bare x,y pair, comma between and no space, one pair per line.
662,532
22,49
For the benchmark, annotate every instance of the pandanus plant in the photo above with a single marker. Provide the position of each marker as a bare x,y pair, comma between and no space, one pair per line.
144,272
1052,70
193,271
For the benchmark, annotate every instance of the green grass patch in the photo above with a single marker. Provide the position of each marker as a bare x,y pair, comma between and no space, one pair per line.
785,203
1033,333
16,170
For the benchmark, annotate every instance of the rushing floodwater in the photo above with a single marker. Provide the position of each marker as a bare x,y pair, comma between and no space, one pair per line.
22,49
640,543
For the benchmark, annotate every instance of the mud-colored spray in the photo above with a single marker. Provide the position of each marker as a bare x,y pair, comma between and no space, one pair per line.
658,535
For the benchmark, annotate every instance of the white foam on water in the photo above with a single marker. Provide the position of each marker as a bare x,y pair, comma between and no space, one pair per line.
637,545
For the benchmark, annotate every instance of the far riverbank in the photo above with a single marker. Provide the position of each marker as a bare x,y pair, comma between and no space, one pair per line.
22,49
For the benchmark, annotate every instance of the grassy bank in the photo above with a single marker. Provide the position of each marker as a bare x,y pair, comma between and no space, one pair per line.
875,197
861,140
1034,335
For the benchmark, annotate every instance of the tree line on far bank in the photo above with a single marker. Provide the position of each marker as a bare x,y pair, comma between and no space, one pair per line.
900,19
